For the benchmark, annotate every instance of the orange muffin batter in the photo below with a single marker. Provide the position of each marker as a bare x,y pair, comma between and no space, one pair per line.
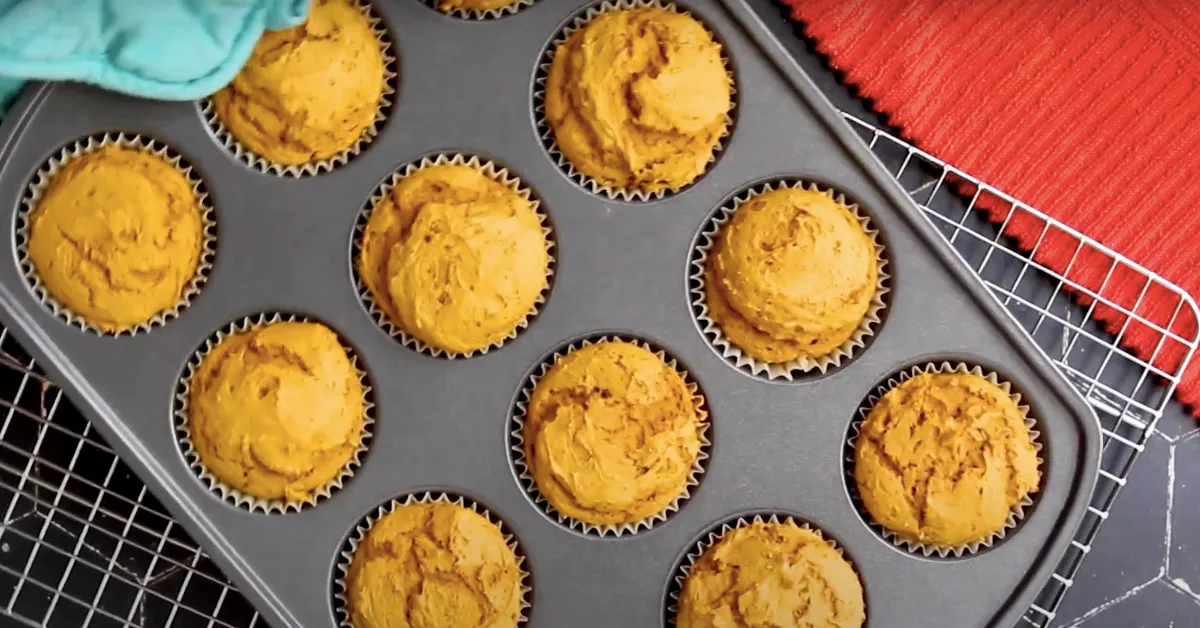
307,93
116,237
276,412
434,565
455,258
943,458
771,574
639,98
474,5
791,275
611,434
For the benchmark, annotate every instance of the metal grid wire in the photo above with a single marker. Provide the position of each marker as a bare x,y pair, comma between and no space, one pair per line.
1128,393
84,544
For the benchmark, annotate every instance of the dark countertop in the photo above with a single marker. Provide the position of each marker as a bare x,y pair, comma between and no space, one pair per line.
1144,567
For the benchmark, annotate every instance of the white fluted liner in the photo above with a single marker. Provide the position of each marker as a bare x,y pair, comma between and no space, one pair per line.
229,493
790,369
957,551
517,440
713,537
342,569
486,14
492,171
547,133
37,188
386,98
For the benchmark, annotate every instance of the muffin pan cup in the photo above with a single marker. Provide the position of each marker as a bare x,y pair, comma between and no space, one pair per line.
480,14
223,489
623,268
361,529
577,22
926,549
208,112
521,467
803,365
43,177
492,171
714,536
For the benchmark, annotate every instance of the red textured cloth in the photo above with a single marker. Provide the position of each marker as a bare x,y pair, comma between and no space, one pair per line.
1089,111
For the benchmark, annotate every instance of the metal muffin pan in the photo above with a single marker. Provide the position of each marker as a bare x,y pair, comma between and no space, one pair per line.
466,86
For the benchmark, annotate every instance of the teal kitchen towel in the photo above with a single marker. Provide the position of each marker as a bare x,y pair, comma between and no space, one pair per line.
161,49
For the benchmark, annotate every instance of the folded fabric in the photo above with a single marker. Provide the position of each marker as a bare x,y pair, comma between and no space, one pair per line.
162,49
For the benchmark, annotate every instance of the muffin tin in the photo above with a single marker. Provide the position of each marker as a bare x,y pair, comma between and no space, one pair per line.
622,268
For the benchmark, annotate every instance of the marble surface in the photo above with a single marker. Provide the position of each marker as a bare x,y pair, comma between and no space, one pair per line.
1144,567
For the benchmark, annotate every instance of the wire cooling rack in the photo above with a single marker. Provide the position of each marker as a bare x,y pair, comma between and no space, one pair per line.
84,544
1128,393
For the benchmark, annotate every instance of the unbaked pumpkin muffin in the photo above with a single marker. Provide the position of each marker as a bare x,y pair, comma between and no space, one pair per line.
943,459
611,434
276,412
116,237
436,564
455,258
792,275
638,99
771,574
310,92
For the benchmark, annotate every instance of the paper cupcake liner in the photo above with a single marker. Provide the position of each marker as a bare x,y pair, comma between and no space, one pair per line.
791,369
714,536
235,496
525,478
475,14
223,135
929,550
90,144
547,133
346,556
492,171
